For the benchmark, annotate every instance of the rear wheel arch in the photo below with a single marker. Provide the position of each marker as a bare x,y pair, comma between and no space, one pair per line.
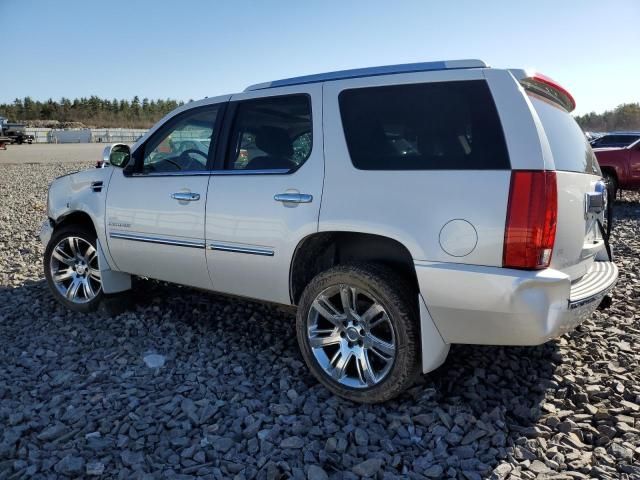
323,250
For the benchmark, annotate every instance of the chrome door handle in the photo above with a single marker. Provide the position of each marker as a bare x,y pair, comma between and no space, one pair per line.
293,197
186,196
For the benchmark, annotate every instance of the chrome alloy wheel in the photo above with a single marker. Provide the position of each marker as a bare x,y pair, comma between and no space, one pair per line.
351,336
74,270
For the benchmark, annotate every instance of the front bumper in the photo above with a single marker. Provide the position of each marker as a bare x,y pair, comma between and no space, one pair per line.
499,306
46,230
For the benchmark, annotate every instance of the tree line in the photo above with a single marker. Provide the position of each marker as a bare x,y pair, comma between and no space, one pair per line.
92,111
623,117
136,113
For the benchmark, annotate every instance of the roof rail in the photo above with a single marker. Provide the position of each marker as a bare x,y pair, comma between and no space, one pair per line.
371,72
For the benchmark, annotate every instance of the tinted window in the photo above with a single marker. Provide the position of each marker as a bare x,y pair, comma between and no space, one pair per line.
271,133
183,145
615,140
430,126
570,149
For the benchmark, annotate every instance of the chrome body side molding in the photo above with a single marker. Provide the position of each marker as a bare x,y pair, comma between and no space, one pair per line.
157,240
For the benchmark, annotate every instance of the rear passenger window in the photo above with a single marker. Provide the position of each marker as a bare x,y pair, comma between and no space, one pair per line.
428,126
271,133
570,149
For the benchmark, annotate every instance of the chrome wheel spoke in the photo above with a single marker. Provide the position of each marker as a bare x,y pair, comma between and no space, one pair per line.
72,289
381,348
60,255
324,307
63,275
372,312
87,288
365,371
73,245
340,362
333,339
348,296
95,274
89,254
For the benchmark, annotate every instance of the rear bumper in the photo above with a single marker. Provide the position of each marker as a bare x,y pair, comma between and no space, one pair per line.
498,306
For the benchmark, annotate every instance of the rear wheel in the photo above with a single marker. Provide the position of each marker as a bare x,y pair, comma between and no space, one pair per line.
71,268
357,328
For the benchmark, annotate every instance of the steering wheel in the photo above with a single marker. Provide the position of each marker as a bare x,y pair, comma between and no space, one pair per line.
185,156
194,150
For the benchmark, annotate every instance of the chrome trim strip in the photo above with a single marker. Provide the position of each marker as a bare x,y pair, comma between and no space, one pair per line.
193,173
157,240
585,301
185,173
267,252
274,171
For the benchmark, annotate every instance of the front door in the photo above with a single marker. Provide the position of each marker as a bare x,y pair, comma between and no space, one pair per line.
156,211
264,195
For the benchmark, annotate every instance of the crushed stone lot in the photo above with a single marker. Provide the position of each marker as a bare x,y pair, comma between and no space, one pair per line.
187,384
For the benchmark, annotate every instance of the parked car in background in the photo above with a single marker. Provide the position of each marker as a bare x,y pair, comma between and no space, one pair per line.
615,139
620,167
399,209
14,132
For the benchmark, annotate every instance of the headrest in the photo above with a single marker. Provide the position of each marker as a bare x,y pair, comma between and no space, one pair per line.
274,141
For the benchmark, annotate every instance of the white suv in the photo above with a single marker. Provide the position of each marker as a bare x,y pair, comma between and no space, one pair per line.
400,208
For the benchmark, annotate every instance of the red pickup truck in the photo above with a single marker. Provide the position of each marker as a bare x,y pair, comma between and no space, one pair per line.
620,167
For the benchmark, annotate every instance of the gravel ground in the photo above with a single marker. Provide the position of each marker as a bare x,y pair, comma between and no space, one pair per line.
51,153
227,394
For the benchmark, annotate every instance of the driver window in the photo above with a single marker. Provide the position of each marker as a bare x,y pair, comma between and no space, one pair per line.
184,146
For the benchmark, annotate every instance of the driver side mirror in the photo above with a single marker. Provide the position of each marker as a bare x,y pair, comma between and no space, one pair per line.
117,155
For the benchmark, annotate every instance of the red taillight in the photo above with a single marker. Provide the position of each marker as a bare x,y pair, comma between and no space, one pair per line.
532,214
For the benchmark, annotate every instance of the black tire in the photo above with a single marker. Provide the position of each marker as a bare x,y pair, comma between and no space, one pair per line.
611,182
60,234
400,304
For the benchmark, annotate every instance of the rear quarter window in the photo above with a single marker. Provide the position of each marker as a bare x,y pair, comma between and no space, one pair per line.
427,126
569,146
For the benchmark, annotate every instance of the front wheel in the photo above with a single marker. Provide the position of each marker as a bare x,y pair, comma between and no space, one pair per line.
71,268
357,327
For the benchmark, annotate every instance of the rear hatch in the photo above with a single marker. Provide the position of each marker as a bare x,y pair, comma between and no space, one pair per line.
578,178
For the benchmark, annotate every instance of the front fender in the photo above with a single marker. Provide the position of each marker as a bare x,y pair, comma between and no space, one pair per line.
85,192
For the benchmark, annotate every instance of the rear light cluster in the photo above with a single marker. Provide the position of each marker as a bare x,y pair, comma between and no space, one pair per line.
532,214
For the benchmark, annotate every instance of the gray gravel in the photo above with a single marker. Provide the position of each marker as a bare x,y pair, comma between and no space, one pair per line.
51,153
186,383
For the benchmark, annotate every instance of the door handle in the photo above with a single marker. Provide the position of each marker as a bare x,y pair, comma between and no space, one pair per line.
186,196
293,197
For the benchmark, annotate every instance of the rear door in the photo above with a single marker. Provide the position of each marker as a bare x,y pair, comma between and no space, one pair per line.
264,196
578,174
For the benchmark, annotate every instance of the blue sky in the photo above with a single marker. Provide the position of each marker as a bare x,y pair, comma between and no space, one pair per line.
192,48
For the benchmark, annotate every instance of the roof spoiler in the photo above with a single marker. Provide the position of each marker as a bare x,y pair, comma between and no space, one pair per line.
546,87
